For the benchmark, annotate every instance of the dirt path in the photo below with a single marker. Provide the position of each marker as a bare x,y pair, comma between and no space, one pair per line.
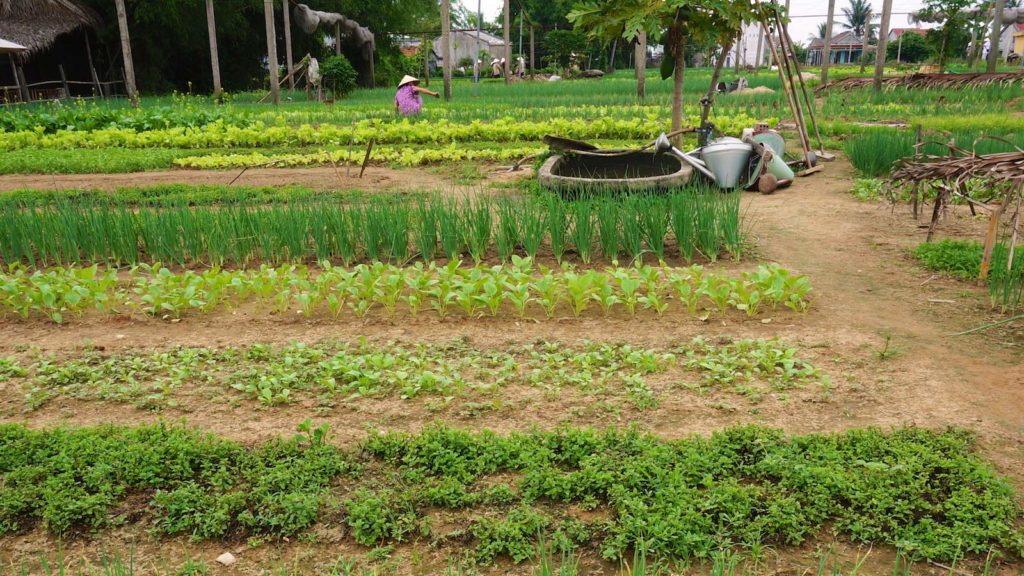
375,178
866,286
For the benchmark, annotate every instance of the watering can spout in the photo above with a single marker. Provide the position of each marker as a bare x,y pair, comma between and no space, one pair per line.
662,145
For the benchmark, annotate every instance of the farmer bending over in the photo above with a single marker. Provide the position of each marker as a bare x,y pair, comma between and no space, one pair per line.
407,99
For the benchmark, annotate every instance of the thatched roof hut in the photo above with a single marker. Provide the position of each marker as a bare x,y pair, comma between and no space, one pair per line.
36,24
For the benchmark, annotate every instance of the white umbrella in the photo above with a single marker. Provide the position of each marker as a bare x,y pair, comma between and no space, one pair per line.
10,47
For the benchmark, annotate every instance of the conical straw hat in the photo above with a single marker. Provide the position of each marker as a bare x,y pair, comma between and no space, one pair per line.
407,79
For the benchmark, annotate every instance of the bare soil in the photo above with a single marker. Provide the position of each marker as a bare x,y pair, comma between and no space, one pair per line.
867,292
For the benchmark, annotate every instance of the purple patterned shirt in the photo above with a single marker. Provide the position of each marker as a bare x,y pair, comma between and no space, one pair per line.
408,101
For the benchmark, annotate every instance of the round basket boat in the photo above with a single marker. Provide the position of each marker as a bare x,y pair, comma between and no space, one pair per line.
614,171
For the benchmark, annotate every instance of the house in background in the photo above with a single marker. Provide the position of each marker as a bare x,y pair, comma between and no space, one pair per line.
1012,40
895,33
463,45
58,60
411,47
846,47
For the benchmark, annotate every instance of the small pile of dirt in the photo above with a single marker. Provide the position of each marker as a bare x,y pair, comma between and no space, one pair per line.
755,90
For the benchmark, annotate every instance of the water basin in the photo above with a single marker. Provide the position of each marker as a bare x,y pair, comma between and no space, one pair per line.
614,171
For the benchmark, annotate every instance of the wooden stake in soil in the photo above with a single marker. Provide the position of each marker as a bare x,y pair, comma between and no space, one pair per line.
366,158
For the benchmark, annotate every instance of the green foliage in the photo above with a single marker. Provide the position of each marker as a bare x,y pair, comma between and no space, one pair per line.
339,74
868,189
952,37
292,373
157,291
958,258
962,259
858,17
922,491
187,225
911,47
560,44
745,363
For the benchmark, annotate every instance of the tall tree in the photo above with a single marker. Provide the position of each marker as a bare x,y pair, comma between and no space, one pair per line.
822,29
214,58
952,36
268,15
996,36
883,34
676,22
446,48
126,51
858,17
826,51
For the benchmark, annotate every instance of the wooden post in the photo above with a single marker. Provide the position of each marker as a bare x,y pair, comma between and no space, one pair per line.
287,22
211,25
641,67
17,79
508,43
864,48
713,87
92,67
64,81
990,238
446,48
26,96
997,29
760,55
531,51
739,42
826,53
373,77
268,17
883,41
126,51
426,61
337,39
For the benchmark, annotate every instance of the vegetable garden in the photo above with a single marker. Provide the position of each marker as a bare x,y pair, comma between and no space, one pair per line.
397,376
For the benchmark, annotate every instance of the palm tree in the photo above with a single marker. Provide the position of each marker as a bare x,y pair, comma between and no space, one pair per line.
858,15
821,29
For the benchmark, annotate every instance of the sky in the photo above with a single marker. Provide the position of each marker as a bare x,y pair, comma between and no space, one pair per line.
806,14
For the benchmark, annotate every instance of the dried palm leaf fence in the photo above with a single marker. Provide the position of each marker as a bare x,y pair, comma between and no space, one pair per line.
926,81
992,183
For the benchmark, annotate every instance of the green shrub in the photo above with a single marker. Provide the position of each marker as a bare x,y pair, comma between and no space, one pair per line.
921,490
339,75
958,258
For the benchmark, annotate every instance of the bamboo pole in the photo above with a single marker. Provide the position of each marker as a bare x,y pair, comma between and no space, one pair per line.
788,89
784,31
268,17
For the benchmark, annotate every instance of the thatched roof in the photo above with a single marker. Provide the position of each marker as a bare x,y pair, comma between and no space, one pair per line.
36,24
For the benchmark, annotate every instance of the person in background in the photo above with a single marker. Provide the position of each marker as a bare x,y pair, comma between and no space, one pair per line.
520,67
407,99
